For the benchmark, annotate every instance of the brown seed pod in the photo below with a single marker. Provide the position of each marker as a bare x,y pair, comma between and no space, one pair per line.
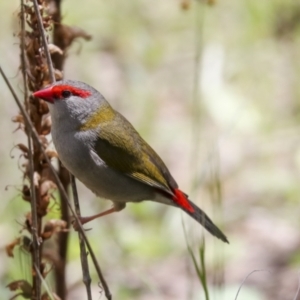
22,285
36,179
58,74
46,125
47,175
18,119
51,154
211,2
43,140
10,247
28,222
54,49
27,244
46,186
26,194
21,147
42,208
43,108
185,4
53,226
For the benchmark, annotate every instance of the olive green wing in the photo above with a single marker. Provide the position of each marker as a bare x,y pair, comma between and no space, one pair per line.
131,155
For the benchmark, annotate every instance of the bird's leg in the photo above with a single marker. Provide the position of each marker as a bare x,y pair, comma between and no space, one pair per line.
83,220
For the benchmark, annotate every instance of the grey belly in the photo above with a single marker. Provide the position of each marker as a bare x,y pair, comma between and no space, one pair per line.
105,182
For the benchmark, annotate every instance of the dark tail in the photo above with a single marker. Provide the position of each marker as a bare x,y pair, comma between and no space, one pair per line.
201,217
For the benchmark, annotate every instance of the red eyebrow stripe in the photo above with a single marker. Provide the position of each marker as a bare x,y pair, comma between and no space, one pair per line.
56,91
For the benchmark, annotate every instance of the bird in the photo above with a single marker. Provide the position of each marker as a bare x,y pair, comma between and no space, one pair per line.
101,148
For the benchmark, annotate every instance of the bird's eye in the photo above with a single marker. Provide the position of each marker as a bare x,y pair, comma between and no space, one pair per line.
66,93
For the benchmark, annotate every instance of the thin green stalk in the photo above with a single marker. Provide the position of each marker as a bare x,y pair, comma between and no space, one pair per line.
195,125
200,270
215,191
203,277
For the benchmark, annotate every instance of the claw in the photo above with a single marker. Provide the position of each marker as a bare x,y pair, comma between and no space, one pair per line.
76,226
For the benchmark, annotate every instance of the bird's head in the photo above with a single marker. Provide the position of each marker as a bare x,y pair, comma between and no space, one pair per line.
73,99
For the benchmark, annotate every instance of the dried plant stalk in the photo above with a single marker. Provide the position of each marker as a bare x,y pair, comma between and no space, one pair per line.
60,186
35,240
34,120
62,40
83,254
63,36
36,169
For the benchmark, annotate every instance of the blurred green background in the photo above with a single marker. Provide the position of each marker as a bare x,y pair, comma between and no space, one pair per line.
214,90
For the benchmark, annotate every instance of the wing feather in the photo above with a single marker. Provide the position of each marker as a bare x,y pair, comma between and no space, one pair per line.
131,155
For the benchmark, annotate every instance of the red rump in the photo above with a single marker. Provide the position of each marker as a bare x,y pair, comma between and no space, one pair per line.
58,89
182,201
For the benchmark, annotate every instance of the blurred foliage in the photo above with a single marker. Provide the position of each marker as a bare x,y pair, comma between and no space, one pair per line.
142,59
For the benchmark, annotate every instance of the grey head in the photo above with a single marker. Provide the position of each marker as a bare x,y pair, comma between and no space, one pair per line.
70,99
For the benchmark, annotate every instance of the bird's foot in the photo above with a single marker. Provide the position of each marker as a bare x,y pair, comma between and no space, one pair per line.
82,221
